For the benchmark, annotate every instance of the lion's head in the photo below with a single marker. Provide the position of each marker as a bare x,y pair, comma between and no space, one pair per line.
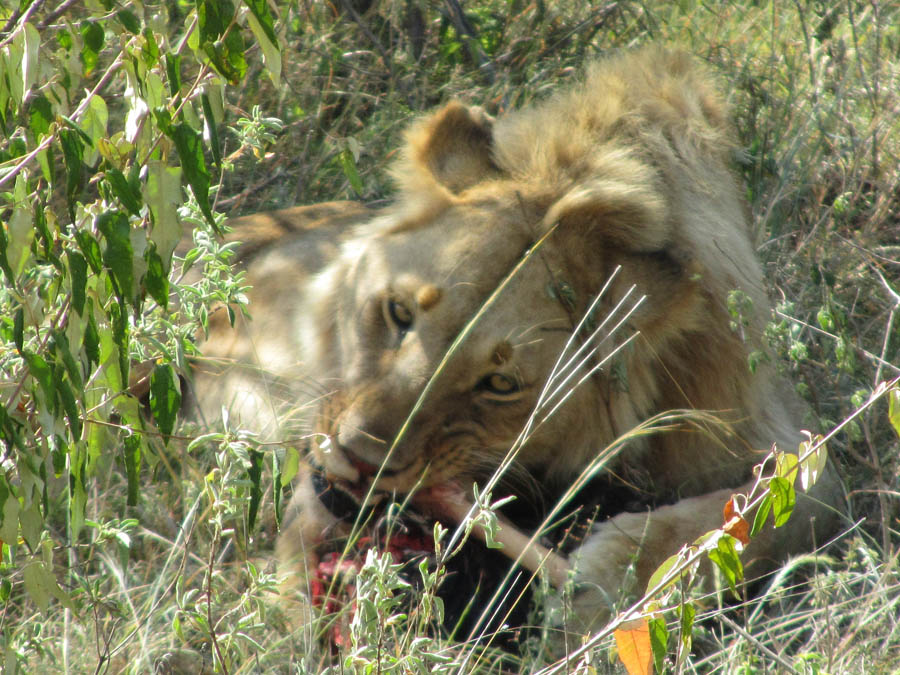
434,331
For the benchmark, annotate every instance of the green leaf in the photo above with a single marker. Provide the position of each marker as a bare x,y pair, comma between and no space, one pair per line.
118,256
688,611
60,344
19,328
762,512
42,372
73,156
125,191
260,22
783,499
659,641
91,338
189,144
131,449
47,243
165,398
78,279
255,475
40,115
119,315
894,408
348,166
173,73
220,40
209,121
812,462
155,280
726,558
260,11
664,569
91,250
786,466
130,22
227,56
4,262
213,17
150,50
162,193
93,37
38,580
9,434
69,405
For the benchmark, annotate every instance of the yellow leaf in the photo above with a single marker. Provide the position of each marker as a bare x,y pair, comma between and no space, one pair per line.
633,643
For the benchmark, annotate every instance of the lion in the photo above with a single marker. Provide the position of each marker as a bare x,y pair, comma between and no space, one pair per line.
543,285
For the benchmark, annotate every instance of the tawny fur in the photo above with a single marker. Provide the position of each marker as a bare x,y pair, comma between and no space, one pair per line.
628,168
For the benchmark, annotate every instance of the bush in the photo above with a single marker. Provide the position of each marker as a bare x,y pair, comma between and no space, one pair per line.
130,540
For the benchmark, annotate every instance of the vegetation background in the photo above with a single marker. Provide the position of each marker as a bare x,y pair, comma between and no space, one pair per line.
130,543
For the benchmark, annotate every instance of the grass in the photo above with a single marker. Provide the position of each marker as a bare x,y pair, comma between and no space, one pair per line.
815,90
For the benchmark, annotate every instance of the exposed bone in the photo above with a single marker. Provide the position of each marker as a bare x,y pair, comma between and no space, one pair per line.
517,545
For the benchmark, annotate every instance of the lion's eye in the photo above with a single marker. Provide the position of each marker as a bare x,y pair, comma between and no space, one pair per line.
399,315
498,384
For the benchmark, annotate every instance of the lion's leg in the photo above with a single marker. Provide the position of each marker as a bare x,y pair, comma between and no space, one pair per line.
649,538
307,525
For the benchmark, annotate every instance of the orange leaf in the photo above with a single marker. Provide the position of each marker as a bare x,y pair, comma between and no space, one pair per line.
633,643
729,511
735,525
738,528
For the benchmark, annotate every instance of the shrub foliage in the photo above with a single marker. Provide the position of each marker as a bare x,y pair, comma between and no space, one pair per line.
130,540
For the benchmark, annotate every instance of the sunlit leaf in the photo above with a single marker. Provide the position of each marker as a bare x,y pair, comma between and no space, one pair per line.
31,56
735,525
786,466
209,121
659,642
783,499
634,648
812,461
163,195
894,408
728,560
260,22
348,166
667,566
762,512
687,611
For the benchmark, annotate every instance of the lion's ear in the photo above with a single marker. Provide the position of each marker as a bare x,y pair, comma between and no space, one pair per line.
621,207
452,147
